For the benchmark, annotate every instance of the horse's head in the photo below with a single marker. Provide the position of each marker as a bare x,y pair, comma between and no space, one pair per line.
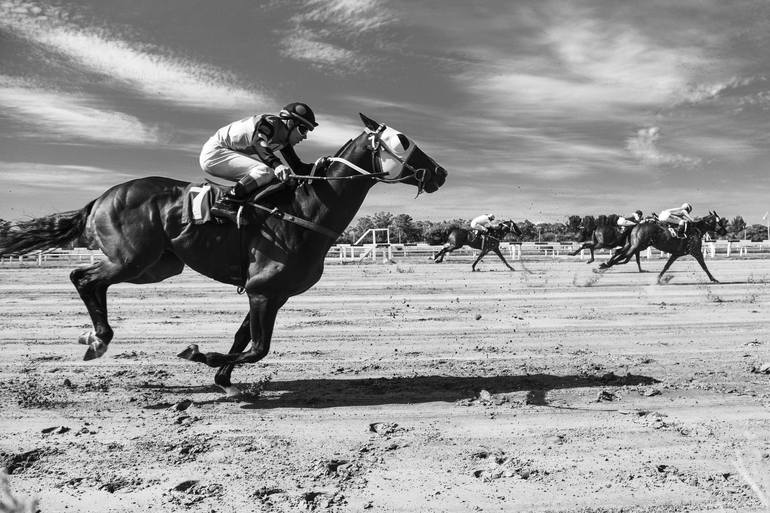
720,224
510,227
713,223
401,160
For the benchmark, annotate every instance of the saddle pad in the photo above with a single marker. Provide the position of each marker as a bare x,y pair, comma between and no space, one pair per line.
198,200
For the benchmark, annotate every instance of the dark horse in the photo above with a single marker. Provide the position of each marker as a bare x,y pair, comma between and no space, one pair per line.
459,237
139,227
602,233
660,237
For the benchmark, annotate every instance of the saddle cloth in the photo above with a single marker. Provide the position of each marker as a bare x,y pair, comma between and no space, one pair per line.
198,200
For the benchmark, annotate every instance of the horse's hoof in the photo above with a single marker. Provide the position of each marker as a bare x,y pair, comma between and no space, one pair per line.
190,352
95,350
231,390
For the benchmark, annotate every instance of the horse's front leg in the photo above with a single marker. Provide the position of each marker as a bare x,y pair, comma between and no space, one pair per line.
590,260
699,257
581,248
240,341
481,255
262,312
500,254
671,260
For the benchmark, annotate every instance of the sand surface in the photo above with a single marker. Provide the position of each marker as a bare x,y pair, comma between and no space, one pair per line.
407,387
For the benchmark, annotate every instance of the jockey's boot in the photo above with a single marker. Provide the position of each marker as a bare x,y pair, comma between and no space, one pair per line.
681,231
228,204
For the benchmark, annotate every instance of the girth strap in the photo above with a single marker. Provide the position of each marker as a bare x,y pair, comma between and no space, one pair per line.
297,220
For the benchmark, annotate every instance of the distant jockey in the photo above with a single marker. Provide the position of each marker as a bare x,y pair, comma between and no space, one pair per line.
627,223
483,223
678,217
244,152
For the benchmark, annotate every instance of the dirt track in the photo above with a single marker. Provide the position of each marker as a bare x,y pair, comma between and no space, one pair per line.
555,390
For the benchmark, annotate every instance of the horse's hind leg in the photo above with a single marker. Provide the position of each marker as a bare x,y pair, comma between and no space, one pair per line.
440,256
92,283
240,341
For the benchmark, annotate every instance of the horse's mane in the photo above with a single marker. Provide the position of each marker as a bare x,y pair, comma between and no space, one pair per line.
344,147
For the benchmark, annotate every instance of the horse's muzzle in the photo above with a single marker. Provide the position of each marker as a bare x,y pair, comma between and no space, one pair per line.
434,179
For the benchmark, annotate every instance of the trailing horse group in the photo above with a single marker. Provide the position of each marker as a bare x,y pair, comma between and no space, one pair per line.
276,247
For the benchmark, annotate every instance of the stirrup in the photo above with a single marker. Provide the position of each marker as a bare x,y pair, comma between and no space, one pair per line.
236,216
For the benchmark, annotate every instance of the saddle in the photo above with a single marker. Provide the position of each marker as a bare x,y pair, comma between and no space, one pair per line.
673,231
199,198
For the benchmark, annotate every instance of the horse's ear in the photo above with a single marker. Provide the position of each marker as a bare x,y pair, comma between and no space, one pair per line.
369,123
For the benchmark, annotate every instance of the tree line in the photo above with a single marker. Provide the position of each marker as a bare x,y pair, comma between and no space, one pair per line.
405,229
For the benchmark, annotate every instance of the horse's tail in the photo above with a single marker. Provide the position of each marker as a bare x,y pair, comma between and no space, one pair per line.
46,232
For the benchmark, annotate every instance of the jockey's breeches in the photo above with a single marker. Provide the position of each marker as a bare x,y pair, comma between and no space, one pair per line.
231,165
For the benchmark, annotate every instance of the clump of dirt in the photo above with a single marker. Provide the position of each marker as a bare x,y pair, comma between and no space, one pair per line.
495,464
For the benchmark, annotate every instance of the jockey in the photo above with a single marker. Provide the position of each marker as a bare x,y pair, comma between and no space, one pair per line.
482,224
627,223
678,217
243,152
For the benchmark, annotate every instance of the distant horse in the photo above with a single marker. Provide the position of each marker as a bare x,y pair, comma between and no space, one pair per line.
139,227
459,237
601,234
660,237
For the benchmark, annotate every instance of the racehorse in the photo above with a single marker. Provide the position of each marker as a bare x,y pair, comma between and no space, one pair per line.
459,237
660,237
604,234
139,227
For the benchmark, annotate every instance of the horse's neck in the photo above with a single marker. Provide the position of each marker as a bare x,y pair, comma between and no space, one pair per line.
334,204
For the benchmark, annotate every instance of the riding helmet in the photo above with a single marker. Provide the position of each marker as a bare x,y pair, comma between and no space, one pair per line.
639,214
301,113
687,207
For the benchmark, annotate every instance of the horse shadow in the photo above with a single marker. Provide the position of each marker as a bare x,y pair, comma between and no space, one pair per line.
332,393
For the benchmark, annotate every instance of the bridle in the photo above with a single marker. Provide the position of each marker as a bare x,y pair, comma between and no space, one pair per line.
376,145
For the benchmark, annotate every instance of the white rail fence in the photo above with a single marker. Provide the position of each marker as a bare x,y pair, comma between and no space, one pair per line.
384,251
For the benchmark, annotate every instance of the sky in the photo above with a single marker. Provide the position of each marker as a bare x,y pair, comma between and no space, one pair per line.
538,109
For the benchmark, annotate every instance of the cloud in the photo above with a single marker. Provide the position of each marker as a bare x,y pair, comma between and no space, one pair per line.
328,34
58,177
150,71
66,117
584,65
644,147
321,55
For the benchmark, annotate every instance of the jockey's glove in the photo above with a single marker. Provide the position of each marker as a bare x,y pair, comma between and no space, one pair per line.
282,172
